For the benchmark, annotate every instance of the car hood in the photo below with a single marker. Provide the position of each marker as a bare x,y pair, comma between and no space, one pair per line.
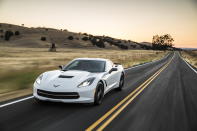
65,79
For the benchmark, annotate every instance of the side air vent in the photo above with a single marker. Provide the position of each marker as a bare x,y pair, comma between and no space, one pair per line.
63,76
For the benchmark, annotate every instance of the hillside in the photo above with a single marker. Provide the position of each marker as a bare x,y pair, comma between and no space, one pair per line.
21,36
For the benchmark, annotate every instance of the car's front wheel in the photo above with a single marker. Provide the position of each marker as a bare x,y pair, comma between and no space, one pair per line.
99,94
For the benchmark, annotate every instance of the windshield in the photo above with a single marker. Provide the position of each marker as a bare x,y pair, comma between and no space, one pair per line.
86,65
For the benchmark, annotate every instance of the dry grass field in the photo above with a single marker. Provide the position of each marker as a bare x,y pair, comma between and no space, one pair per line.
190,56
19,67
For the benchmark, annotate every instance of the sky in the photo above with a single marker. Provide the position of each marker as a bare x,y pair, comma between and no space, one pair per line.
136,20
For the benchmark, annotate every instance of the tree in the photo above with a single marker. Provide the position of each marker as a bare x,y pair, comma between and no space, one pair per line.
43,38
70,38
8,34
52,47
124,47
17,33
85,38
98,42
162,42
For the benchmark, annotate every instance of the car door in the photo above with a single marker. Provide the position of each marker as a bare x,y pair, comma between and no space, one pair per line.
115,77
110,78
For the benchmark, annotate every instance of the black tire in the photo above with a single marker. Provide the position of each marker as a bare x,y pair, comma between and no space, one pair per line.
121,83
99,94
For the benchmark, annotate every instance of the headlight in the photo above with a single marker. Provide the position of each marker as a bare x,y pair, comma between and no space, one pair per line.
87,82
38,80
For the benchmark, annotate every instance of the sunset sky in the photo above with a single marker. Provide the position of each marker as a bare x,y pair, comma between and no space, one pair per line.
136,20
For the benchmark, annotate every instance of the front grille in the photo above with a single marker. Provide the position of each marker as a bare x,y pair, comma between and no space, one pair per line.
58,95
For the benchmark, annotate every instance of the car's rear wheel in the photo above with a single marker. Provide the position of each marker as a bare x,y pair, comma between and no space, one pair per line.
121,83
99,94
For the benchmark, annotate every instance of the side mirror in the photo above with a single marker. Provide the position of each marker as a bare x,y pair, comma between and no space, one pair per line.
113,69
60,66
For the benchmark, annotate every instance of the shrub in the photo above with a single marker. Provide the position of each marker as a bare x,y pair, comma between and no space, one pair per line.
70,38
85,38
134,46
98,42
124,47
8,34
52,48
17,33
43,38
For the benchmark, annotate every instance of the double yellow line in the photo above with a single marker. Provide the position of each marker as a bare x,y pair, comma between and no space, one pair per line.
116,110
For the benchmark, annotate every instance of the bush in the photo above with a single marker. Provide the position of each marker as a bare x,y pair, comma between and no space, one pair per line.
134,46
85,38
98,42
124,47
17,33
70,38
43,38
8,34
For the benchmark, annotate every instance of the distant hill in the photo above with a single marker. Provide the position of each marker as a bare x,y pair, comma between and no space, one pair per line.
43,37
190,49
146,43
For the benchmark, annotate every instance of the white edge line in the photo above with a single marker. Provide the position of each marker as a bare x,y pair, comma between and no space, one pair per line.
146,63
188,64
16,101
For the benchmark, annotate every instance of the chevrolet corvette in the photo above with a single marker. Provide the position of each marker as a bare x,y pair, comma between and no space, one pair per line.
83,80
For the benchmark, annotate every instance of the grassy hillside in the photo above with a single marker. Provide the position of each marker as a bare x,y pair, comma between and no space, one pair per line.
190,56
31,37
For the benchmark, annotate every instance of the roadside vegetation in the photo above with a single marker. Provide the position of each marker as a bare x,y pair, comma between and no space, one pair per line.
19,67
190,56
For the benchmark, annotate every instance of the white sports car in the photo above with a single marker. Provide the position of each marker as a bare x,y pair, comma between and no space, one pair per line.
83,80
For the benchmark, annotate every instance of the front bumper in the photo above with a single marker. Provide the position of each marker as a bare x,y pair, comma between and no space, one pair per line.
85,95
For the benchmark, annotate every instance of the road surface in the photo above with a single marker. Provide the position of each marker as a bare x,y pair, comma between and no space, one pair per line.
158,96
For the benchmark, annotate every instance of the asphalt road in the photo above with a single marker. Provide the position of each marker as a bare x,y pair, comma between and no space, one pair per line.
159,96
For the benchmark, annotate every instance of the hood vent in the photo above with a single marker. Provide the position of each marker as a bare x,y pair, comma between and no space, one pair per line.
64,76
